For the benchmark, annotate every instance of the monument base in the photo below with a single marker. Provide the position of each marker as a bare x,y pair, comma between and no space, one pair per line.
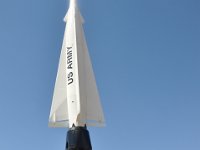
78,138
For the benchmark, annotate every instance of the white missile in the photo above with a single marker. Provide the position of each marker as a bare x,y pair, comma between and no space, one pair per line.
75,100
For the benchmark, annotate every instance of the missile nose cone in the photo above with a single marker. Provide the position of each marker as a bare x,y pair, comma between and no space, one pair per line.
71,9
72,3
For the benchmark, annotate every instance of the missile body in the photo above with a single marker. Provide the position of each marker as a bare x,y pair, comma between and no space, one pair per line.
76,101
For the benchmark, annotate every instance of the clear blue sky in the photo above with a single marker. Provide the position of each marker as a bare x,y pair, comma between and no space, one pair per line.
146,57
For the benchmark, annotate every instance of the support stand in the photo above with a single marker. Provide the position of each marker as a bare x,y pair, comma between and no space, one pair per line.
78,138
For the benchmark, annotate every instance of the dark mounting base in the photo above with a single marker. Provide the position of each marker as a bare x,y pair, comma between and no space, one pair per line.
78,138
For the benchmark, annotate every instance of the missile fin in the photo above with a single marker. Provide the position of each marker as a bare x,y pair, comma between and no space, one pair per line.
91,110
59,109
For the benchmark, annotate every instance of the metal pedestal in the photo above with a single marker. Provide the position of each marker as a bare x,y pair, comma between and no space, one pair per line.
78,138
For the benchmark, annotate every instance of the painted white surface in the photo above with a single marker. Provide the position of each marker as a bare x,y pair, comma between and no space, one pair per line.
75,100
